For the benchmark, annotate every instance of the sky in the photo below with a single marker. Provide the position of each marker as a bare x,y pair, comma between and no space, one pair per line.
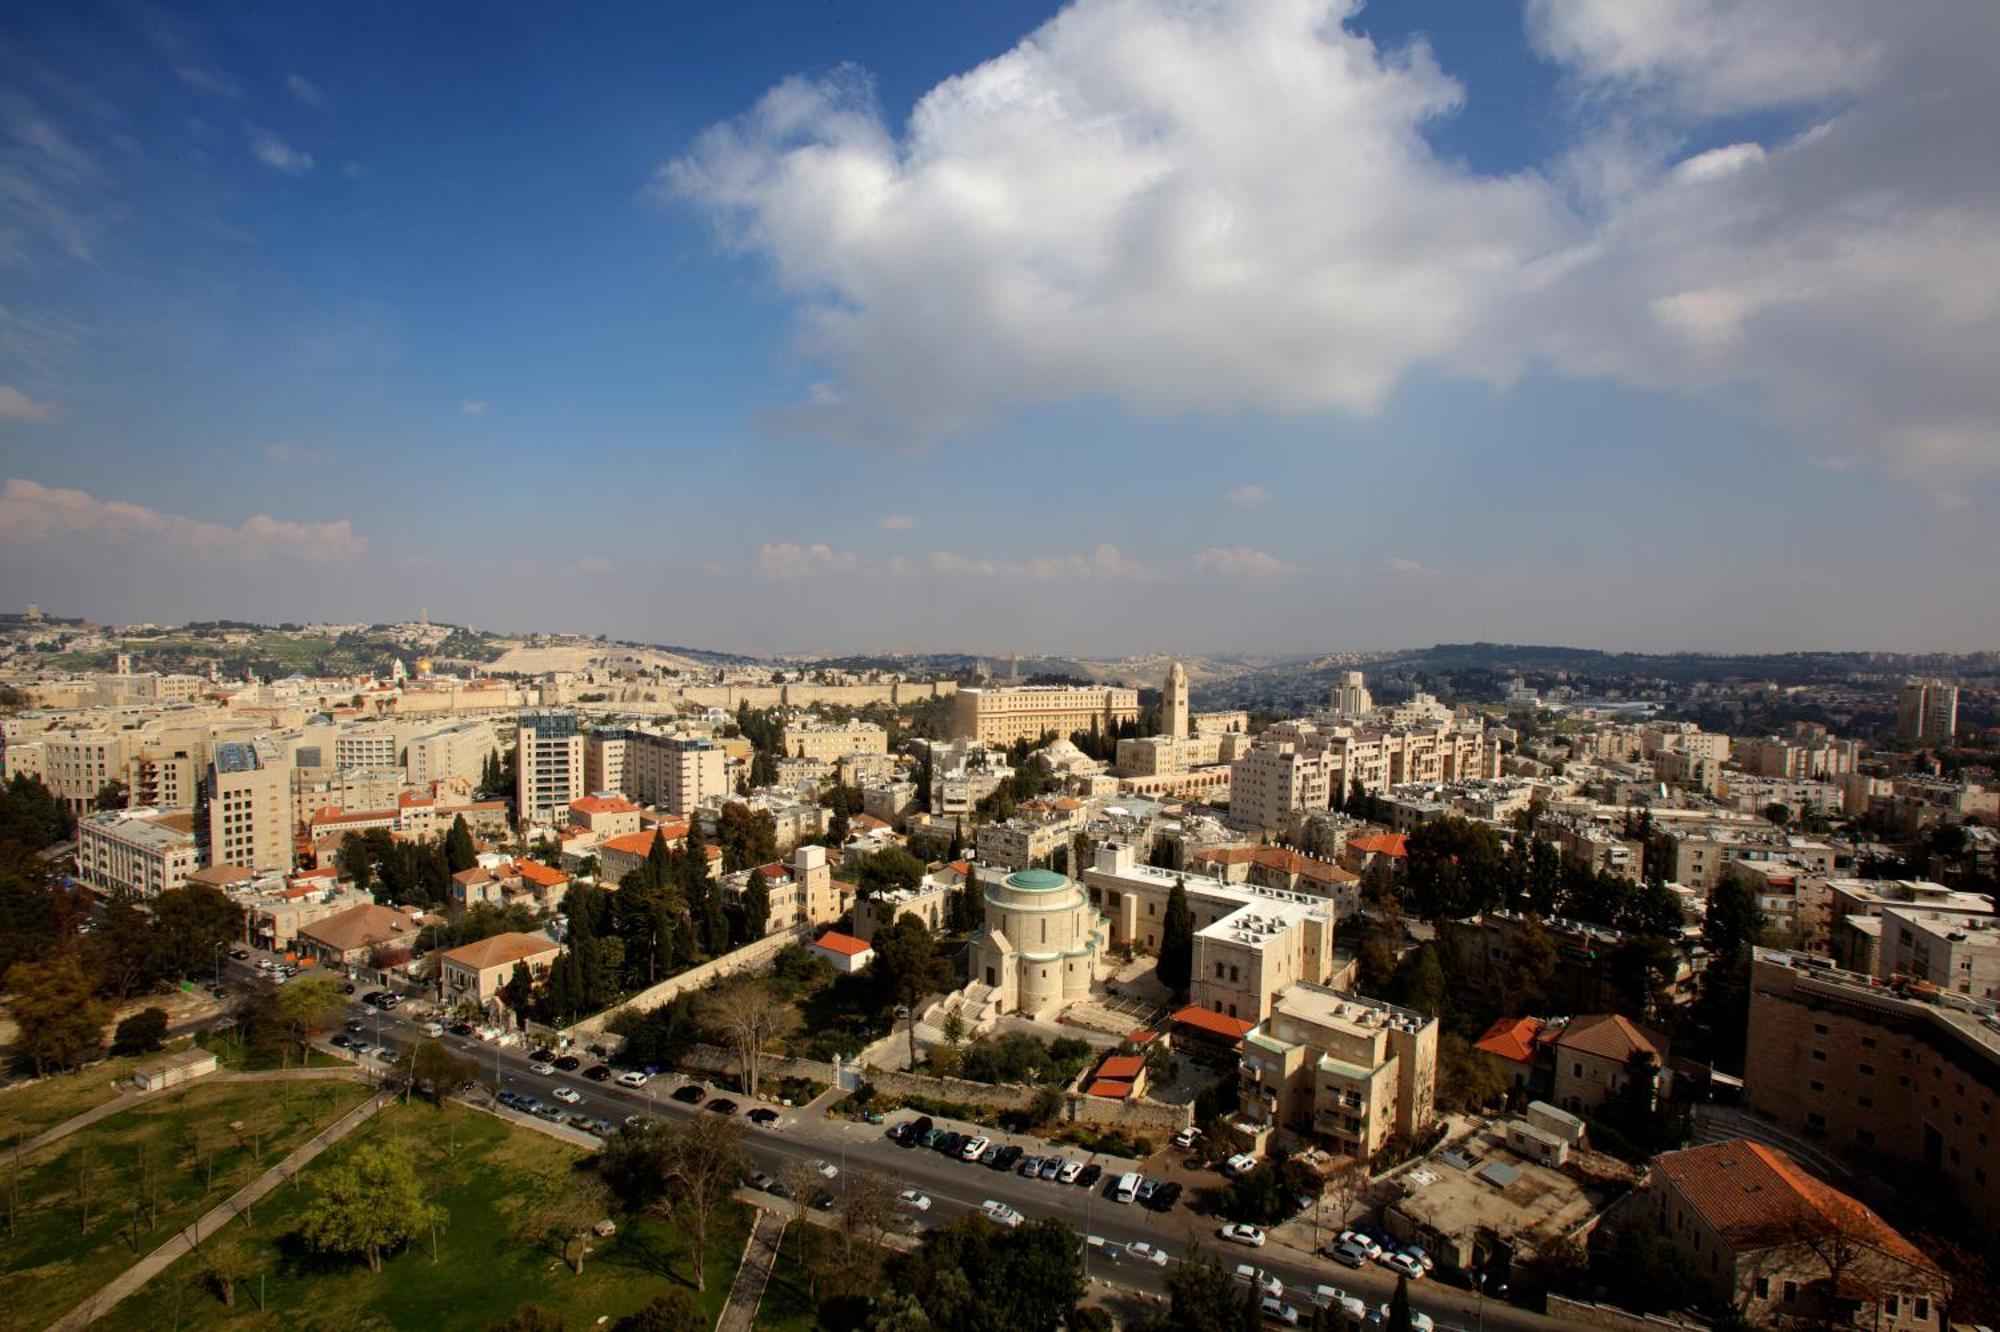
1264,326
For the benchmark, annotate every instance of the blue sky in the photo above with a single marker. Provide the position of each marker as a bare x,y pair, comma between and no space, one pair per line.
1128,325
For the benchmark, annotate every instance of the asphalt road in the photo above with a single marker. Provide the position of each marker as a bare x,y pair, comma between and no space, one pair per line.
954,1187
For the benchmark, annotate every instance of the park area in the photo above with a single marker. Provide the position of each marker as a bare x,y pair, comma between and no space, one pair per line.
87,1206
509,1199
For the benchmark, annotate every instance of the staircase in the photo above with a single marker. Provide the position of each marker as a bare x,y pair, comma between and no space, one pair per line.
1721,1123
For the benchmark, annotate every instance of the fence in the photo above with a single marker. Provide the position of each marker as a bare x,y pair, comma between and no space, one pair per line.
747,958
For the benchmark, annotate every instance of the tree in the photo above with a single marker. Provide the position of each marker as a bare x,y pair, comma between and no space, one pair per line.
142,1033
370,1206
1399,1307
1453,869
571,1218
1176,965
518,994
673,1311
432,1069
114,794
747,837
751,1017
906,968
306,1005
58,1020
1202,1294
1778,813
121,953
1467,1079
702,1165
530,1318
459,852
892,869
191,924
756,907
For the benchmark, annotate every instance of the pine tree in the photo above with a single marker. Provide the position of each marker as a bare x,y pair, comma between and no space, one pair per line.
756,907
1176,965
459,852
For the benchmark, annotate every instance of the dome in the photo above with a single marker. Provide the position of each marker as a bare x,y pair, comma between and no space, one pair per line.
1037,880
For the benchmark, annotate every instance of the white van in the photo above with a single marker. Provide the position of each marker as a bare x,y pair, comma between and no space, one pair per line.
1128,1186
1333,1297
433,1028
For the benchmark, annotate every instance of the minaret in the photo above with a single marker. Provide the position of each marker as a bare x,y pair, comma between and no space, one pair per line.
1174,702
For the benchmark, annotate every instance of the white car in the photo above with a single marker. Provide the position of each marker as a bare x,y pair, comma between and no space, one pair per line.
1403,1265
974,1149
1419,1320
1240,1164
1069,1171
1186,1137
1148,1253
632,1078
1362,1241
917,1202
1333,1297
826,1168
544,1069
1278,1311
567,1095
1263,1281
1000,1214
1238,1233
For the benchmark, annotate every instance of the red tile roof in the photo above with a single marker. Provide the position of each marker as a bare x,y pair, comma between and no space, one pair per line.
1611,1036
1126,1067
534,871
836,942
641,843
1393,845
604,805
1113,1088
1215,1023
1511,1038
1756,1196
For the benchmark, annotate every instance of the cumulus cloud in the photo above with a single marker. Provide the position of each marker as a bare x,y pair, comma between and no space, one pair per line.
1248,496
786,560
1216,207
897,522
32,512
276,154
1241,562
18,406
473,407
1403,564
305,90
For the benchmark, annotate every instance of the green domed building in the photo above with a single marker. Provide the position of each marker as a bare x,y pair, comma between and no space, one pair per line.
1041,945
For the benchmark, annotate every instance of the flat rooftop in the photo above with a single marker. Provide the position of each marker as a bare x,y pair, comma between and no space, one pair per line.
1305,1002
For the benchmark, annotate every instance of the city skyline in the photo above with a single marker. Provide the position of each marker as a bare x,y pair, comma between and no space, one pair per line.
1071,329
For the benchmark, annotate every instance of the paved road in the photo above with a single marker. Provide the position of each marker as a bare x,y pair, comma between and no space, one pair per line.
957,1188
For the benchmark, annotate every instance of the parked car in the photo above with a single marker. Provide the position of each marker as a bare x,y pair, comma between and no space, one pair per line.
974,1149
567,1095
931,1136
1333,1297
1090,1175
1402,1265
598,1072
915,1129
1419,1321
339,1039
543,1054
763,1116
239,953
1278,1311
827,1168
460,1029
433,1029
1031,1167
1262,1280
1237,1232
632,1078
948,1143
780,1189
357,1025
722,1105
569,1063
1240,1164
1148,1253
1347,1253
1000,1214
1052,1167
915,1201
1147,1188
990,1158
549,1111
542,1068
1361,1240
688,1095
510,1099
761,1181
1187,1136
1010,1156
1165,1196
1416,1251
1070,1170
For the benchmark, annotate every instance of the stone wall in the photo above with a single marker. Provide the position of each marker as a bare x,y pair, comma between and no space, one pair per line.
717,1059
750,957
1605,1315
999,1097
1138,1115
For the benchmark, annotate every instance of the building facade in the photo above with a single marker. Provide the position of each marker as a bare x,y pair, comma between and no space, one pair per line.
549,766
142,851
250,811
1350,1071
1002,715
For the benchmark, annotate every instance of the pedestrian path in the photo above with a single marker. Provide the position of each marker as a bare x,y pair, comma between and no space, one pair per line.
189,1238
126,1100
760,1255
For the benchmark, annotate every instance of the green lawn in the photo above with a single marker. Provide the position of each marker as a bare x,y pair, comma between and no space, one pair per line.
75,1226
31,1108
786,1307
234,1055
491,1178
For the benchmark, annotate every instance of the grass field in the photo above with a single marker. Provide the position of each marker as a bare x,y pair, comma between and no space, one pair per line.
786,1306
32,1107
234,1055
494,1181
76,1204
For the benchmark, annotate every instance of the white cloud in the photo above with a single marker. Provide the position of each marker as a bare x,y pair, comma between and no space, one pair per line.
18,406
1241,562
1106,563
276,154
31,512
206,80
284,451
473,407
786,560
1248,496
307,92
1188,207
1404,565
897,522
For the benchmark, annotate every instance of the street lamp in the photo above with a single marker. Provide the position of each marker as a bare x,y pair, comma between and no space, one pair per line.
219,946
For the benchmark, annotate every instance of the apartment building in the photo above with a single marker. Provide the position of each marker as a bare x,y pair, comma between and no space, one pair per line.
1351,698
142,851
1341,1068
456,753
1274,782
1896,1072
1950,950
1854,925
1001,715
1927,712
476,972
1592,1054
75,765
250,814
829,742
668,770
549,760
1268,790
368,746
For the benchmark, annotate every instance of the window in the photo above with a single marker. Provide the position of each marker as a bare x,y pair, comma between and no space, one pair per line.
1890,1303
1819,1028
1791,1292
1923,1309
1868,1070
1576,1070
1817,1085
1763,1288
1819,1056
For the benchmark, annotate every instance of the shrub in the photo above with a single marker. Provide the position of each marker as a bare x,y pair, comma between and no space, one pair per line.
142,1033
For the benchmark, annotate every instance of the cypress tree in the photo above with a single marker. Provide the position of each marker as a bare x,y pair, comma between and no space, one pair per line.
1176,965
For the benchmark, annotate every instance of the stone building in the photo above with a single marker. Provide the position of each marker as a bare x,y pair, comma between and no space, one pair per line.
1041,945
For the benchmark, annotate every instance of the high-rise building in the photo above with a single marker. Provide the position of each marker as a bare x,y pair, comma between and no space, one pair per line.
1927,712
671,771
1351,697
549,764
250,805
1174,702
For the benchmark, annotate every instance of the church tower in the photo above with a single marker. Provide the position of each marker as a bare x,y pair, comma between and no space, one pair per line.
1174,702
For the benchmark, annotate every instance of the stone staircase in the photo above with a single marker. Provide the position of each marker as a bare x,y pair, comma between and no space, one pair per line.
1719,1123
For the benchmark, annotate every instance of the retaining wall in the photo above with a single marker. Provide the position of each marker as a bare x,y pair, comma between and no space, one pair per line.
750,957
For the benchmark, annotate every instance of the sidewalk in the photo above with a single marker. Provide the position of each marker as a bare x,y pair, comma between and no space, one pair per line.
137,1275
760,1255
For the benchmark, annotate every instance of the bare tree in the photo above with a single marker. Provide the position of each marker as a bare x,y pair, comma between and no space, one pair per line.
83,1173
866,1209
704,1163
752,1017
1841,1237
1345,1188
571,1219
13,1189
146,1185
